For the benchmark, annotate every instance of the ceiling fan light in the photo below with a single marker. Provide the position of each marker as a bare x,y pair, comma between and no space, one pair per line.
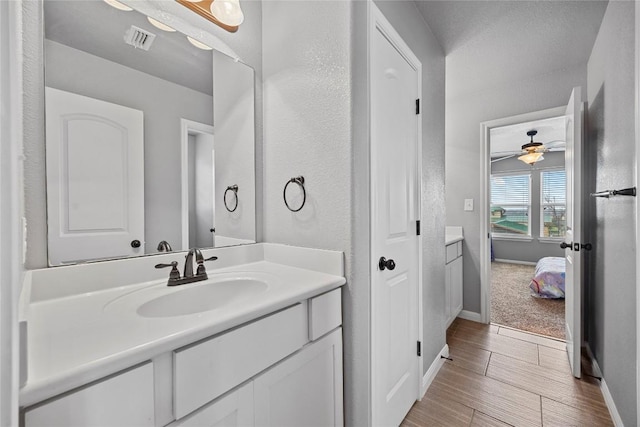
531,158
228,12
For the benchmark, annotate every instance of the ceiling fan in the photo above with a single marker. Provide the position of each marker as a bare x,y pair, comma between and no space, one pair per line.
532,151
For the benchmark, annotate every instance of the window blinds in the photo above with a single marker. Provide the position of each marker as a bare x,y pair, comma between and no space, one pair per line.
510,204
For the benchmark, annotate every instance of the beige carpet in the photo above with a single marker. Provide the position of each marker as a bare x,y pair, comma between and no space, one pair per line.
512,304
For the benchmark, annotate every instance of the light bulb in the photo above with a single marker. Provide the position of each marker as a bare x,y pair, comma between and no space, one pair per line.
198,44
118,5
160,25
228,12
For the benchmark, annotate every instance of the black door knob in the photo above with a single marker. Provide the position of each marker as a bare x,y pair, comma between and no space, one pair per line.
384,263
586,246
135,243
564,245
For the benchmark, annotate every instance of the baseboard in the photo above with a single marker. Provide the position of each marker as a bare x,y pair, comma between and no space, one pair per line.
606,394
615,415
431,373
470,315
511,261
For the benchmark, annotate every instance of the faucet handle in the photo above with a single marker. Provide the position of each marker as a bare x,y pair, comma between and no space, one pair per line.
174,273
201,269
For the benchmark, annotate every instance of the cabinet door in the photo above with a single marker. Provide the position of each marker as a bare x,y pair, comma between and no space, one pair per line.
233,410
122,400
456,287
447,295
305,389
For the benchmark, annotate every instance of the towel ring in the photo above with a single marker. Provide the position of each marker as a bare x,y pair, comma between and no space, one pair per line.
300,181
233,188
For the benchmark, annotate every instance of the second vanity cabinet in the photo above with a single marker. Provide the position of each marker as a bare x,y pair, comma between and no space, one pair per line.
453,281
282,369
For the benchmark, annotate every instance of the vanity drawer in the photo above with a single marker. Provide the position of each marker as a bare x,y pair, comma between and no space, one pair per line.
125,399
206,370
325,313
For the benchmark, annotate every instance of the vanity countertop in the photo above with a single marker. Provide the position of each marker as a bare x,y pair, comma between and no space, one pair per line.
78,338
453,235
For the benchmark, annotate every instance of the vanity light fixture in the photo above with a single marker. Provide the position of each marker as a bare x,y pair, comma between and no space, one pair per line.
159,25
226,14
198,44
118,5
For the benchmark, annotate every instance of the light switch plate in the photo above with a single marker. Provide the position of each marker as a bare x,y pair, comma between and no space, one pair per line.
468,204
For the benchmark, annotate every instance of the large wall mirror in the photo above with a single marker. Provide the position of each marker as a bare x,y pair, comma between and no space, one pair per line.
149,139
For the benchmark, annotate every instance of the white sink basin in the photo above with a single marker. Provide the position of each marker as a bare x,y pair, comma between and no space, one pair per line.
220,291
205,296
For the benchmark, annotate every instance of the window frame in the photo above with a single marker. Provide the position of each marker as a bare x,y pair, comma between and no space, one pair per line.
542,237
506,236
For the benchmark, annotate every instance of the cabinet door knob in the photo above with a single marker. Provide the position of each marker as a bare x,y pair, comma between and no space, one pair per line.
135,243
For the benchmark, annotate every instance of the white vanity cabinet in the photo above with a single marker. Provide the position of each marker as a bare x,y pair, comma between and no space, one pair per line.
281,369
453,281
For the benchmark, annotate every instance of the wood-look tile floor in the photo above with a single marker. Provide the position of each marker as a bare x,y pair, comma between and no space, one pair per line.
504,377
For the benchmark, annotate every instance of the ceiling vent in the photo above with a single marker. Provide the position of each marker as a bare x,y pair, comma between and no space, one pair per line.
139,38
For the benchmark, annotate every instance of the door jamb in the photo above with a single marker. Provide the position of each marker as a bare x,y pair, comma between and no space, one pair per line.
377,21
485,173
187,127
637,166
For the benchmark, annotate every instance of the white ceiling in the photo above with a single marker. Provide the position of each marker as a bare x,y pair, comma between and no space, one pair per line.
502,41
97,28
508,140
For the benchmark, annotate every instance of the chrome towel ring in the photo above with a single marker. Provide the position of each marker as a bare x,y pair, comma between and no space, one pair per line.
234,189
300,181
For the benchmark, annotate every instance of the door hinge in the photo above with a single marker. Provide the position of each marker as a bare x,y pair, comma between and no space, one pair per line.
419,348
417,106
417,227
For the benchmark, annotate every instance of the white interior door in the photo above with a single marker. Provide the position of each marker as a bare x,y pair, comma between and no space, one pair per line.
573,239
95,178
395,183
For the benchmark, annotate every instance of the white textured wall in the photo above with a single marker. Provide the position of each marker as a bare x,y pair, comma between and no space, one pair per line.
464,114
307,122
610,164
307,131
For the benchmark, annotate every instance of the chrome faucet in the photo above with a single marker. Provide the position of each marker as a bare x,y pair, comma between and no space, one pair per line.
188,276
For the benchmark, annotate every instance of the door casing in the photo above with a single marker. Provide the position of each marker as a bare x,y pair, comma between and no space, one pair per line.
485,179
188,127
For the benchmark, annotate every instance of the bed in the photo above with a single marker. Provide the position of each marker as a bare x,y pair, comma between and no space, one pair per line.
548,279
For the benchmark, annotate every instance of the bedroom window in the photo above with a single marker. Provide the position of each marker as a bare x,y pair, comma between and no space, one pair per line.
511,205
553,203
